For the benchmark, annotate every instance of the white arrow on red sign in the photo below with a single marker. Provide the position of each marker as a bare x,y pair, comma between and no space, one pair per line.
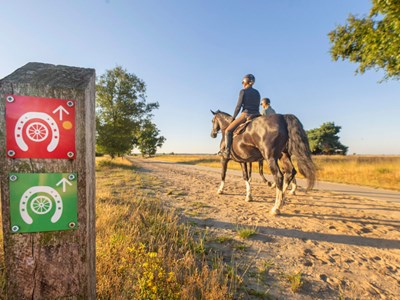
61,109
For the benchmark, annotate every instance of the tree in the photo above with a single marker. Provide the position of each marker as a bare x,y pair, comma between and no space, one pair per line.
373,41
121,108
324,140
148,138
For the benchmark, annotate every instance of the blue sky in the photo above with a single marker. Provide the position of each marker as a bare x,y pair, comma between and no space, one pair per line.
193,55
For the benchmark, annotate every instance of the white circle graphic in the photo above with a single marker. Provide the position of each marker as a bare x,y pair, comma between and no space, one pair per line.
41,205
37,132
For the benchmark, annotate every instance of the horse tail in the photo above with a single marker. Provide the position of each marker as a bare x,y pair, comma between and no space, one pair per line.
298,145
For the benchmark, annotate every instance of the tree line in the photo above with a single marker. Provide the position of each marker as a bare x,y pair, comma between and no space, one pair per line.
123,116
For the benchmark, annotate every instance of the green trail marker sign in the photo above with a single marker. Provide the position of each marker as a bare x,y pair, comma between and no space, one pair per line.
47,182
43,202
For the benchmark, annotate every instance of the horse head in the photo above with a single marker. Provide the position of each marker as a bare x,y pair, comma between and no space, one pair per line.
220,121
215,125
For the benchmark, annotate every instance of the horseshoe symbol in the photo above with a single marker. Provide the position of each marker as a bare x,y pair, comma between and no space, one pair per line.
36,131
40,204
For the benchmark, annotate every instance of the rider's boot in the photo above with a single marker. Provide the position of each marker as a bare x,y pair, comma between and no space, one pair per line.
228,143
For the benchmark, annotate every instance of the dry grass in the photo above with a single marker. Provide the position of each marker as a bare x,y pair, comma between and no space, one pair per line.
246,232
142,250
374,171
295,281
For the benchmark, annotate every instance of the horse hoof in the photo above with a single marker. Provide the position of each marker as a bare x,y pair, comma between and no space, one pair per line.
275,212
249,199
220,192
292,193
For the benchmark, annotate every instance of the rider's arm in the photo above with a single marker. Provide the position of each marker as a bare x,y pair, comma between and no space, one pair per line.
239,104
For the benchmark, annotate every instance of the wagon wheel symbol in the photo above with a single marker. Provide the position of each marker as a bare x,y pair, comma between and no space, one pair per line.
37,132
41,205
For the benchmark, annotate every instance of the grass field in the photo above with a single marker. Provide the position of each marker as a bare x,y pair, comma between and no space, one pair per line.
142,251
374,171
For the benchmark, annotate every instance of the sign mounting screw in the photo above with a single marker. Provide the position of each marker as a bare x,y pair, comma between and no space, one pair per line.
13,177
72,225
10,99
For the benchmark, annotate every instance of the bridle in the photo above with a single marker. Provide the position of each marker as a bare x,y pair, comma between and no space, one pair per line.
215,128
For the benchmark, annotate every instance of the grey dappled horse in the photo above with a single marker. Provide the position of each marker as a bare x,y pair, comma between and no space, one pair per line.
269,138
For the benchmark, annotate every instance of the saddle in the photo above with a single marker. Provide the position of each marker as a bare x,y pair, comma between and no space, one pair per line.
241,128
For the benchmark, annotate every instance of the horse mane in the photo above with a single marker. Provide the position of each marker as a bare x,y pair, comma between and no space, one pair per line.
224,114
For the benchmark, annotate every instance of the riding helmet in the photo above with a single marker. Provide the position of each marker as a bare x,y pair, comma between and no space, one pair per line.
249,78
266,100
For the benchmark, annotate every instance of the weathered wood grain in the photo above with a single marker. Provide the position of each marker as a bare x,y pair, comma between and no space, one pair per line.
59,264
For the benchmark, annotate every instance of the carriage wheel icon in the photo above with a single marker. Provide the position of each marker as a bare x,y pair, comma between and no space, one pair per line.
37,132
41,205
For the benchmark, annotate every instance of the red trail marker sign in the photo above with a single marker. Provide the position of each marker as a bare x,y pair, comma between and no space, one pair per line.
40,127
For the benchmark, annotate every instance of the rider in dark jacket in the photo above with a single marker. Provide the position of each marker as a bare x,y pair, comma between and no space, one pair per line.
249,102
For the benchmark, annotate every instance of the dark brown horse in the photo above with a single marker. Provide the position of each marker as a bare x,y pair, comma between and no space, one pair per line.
271,184
269,138
247,170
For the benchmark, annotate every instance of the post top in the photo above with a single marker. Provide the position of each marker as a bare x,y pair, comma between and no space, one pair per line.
53,76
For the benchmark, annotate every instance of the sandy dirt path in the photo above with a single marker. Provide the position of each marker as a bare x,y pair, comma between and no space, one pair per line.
344,247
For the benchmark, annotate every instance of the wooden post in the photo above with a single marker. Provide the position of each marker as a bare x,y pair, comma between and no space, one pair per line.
53,264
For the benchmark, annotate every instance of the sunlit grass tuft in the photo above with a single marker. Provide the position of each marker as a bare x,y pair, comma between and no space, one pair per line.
143,251
295,280
246,232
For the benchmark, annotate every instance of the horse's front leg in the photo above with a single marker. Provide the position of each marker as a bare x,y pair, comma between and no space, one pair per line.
245,173
224,164
249,171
